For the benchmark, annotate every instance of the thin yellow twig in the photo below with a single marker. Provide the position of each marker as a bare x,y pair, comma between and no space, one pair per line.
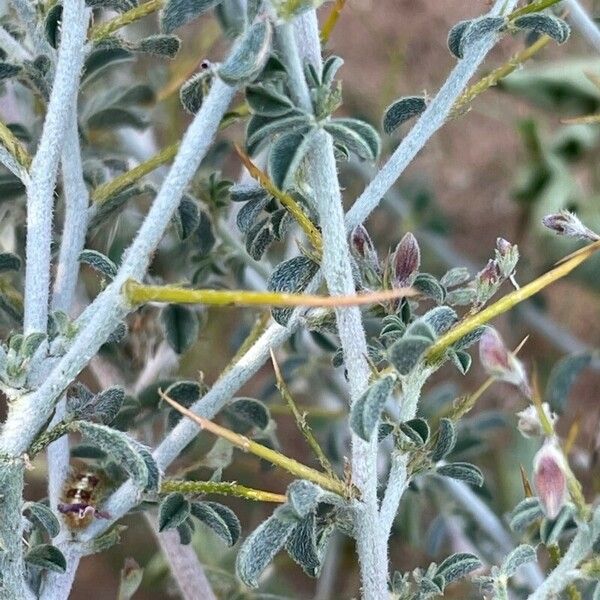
309,228
300,419
223,488
331,21
104,30
509,301
138,293
274,457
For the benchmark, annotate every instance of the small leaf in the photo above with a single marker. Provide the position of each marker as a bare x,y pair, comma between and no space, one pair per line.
261,129
455,37
401,111
181,327
31,343
419,430
184,393
462,361
406,353
220,519
187,217
286,156
194,90
441,318
173,511
563,375
108,403
477,30
525,513
463,472
543,23
159,45
8,70
331,66
521,555
359,137
52,24
429,286
185,533
180,12
258,239
118,5
121,447
248,413
263,544
366,411
267,101
455,277
40,514
116,116
305,548
249,54
99,59
99,262
247,215
470,338
293,275
48,557
420,328
445,441
304,497
247,192
458,565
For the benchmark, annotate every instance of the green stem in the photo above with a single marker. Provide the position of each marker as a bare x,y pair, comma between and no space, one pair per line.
300,419
509,301
222,488
14,147
104,30
107,190
496,75
536,6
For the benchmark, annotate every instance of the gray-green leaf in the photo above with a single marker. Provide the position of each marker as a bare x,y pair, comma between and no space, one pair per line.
173,511
249,54
366,411
179,12
546,24
401,111
359,137
406,353
48,557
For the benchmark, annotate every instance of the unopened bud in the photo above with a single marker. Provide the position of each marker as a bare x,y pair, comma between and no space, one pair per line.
507,257
529,420
499,362
549,478
568,224
406,261
362,245
489,274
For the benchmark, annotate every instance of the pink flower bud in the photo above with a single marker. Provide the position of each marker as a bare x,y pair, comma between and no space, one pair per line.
489,274
549,478
499,362
507,257
406,261
567,224
362,243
